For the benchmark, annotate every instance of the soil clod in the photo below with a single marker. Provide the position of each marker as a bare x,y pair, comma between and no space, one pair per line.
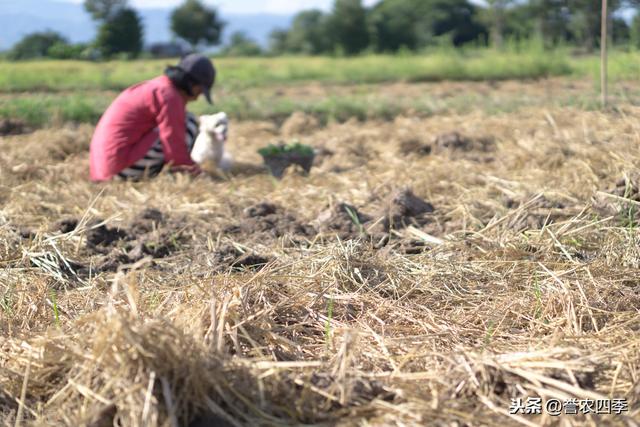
344,220
321,154
103,236
261,209
270,220
66,225
299,123
150,234
539,213
12,127
459,146
622,203
148,220
230,257
403,209
113,260
627,188
455,141
277,164
414,146
26,233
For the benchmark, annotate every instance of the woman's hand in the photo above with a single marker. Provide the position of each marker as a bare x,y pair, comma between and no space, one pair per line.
193,170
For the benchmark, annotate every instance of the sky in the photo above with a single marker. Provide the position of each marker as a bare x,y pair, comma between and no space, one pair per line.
286,7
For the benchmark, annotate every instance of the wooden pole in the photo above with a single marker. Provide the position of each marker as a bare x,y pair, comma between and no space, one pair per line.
603,54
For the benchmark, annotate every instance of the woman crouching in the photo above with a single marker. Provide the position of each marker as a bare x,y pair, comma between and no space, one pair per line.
147,126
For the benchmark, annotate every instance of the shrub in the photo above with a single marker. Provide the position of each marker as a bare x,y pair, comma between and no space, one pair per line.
67,51
36,45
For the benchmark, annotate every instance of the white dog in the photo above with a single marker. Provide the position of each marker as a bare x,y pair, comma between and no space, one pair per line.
209,145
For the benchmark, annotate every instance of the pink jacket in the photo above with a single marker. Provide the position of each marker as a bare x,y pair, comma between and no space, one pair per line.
133,122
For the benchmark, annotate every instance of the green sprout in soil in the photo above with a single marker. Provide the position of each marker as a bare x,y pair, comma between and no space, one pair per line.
6,301
54,302
489,333
327,326
537,292
629,210
354,218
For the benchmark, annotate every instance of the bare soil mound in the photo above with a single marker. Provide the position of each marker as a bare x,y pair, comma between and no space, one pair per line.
455,141
414,146
149,234
65,225
628,188
455,145
101,237
403,208
458,146
535,213
270,220
230,257
623,202
299,123
12,127
343,220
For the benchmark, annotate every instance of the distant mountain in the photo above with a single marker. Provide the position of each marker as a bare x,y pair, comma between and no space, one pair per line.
20,17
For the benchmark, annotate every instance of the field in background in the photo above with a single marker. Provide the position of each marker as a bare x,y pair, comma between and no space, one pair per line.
457,244
53,92
251,72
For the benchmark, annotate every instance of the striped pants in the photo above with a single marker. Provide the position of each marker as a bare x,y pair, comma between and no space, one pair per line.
153,162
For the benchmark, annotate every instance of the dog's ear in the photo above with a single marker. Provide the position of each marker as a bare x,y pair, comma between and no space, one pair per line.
221,117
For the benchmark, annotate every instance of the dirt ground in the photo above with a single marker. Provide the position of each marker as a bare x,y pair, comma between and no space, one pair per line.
425,272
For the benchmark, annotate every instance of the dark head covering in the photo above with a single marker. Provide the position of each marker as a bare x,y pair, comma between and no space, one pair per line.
201,70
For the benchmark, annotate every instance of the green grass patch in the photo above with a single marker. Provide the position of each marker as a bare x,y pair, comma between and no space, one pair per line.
44,109
516,62
237,73
364,103
52,92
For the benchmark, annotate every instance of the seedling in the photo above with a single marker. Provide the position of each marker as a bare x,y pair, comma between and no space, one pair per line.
6,301
327,327
354,219
537,292
629,210
489,333
54,302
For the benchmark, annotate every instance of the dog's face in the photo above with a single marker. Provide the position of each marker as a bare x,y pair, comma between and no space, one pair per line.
215,125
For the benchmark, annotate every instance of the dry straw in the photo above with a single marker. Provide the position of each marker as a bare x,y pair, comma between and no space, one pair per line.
522,283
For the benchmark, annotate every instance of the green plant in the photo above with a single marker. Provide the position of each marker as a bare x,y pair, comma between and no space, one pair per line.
354,219
6,301
327,326
197,23
537,292
54,303
36,45
294,148
629,209
121,35
489,333
629,216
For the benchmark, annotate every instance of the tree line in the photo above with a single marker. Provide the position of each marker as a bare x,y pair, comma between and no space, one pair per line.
393,25
121,33
350,28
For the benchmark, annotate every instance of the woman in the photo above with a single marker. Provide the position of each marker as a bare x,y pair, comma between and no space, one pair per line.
147,126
